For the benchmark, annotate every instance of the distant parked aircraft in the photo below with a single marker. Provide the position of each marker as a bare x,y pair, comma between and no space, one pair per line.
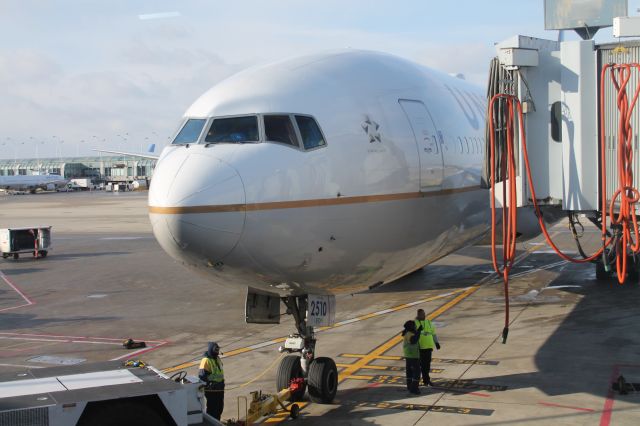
31,183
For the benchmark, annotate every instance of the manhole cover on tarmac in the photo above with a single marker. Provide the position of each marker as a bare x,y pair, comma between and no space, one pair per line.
56,360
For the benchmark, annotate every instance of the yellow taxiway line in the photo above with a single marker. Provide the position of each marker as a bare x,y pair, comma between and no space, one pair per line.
261,345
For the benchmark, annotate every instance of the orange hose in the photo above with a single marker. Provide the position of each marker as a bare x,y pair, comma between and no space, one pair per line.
626,192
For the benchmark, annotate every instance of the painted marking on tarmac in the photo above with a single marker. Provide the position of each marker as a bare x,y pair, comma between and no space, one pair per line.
260,345
282,415
389,368
21,366
28,301
123,238
351,369
379,351
439,383
420,407
607,411
550,404
436,360
540,268
54,338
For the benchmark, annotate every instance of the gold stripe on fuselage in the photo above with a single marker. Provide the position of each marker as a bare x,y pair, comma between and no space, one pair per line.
277,205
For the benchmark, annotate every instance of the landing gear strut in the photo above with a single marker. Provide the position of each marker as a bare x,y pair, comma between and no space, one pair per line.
320,374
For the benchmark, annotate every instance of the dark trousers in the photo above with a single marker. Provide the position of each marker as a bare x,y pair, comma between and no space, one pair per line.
413,374
425,365
215,400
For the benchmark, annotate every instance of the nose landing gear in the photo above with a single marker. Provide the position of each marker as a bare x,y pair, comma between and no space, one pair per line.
320,374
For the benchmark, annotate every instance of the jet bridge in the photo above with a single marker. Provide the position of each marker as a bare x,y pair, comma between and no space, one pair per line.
562,132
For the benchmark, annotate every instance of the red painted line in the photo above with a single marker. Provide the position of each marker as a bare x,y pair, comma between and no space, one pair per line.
550,404
605,419
484,395
17,290
372,385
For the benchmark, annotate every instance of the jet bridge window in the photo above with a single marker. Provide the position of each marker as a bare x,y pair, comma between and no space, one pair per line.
279,128
233,130
190,132
310,132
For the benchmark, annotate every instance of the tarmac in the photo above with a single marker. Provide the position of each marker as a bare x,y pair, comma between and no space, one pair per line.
106,279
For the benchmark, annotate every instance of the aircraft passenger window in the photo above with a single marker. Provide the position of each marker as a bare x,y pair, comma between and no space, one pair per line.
233,130
311,134
190,131
279,128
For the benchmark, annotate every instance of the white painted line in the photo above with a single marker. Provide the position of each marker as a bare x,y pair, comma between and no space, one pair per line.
32,339
263,344
17,290
562,286
78,337
121,238
96,343
364,317
551,251
21,366
540,268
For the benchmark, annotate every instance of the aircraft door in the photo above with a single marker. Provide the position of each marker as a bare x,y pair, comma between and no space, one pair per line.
429,150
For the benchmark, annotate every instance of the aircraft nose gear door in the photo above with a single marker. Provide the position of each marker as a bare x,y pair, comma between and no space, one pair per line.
428,142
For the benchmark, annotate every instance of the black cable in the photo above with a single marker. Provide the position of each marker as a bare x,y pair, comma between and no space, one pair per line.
573,220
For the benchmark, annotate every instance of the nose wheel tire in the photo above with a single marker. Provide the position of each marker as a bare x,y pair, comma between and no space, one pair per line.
288,370
322,380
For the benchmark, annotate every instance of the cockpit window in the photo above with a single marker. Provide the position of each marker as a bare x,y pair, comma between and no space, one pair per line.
190,131
233,130
278,128
310,132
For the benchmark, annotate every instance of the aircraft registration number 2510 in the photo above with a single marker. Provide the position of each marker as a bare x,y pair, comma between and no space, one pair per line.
321,311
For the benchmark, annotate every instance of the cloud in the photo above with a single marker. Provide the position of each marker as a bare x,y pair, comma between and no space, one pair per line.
158,15
20,65
469,59
144,94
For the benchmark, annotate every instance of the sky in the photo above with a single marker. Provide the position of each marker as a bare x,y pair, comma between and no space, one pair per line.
77,75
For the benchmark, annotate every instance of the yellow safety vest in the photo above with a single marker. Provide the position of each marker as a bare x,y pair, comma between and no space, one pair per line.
426,336
410,350
214,367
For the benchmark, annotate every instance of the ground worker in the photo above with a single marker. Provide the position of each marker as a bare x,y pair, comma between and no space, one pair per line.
212,374
427,341
411,352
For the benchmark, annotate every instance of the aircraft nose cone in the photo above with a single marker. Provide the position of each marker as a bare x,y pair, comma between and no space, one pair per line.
196,206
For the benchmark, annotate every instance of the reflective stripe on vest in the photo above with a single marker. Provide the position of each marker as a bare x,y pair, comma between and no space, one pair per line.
410,350
426,336
216,374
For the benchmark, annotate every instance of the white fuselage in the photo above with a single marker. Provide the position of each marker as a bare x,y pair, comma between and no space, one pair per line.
27,182
397,185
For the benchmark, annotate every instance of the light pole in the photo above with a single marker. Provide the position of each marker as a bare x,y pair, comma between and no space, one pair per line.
38,143
78,147
60,142
8,143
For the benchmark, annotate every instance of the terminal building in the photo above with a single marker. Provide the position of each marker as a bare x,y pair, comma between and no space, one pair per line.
101,169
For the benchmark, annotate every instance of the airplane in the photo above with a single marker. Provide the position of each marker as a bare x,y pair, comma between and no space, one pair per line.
32,182
315,176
